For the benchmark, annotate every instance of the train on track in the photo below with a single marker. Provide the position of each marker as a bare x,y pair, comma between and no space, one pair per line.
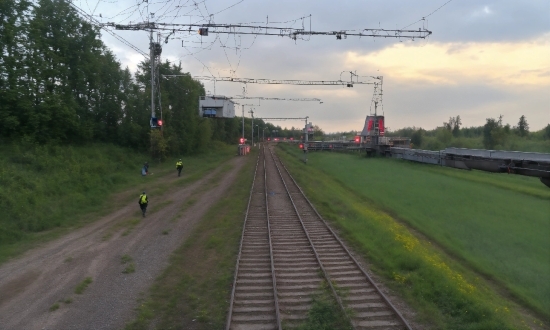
373,142
512,162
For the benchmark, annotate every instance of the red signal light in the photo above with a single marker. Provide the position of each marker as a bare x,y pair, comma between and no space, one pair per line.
159,122
357,139
301,146
241,140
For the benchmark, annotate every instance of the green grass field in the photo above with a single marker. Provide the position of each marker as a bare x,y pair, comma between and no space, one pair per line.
47,190
497,225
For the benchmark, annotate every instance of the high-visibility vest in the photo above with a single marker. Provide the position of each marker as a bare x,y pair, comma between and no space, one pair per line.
179,164
143,199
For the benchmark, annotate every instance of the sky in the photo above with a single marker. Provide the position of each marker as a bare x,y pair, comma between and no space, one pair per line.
483,59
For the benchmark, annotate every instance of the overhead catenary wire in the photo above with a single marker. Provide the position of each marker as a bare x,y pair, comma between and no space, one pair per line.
430,14
182,30
372,80
270,30
96,23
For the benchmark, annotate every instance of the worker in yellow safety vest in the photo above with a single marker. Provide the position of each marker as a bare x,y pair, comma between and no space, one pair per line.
179,166
143,201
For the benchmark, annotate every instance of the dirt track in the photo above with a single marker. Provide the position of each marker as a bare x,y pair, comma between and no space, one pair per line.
32,284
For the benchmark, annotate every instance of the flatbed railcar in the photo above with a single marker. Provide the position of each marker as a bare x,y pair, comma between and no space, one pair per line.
499,161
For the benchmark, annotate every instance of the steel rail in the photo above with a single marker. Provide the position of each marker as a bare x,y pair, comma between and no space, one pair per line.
230,313
278,316
349,253
338,299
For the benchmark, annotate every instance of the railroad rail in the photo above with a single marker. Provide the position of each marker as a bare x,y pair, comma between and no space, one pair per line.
287,252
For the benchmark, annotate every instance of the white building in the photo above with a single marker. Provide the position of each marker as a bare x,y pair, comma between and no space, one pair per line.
216,106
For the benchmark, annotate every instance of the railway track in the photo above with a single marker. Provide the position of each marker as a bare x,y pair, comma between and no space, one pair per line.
287,252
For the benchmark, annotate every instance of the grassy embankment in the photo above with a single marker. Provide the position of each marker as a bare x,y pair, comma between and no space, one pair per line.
494,224
47,190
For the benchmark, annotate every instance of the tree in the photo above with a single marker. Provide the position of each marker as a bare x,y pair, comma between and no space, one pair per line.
318,132
444,136
159,144
547,132
14,24
490,126
449,125
523,126
494,134
417,138
204,135
453,125
456,126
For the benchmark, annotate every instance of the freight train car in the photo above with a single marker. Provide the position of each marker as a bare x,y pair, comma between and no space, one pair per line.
513,162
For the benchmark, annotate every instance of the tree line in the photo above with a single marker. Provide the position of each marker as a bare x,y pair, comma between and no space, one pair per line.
493,135
59,83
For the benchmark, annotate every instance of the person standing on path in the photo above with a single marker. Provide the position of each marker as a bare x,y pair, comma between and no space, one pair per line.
179,166
145,169
143,201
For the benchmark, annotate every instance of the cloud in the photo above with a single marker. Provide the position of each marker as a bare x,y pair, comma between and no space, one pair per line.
483,12
510,63
483,59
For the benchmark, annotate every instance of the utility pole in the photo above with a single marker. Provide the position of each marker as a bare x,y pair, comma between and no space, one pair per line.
252,112
305,143
258,126
243,105
152,60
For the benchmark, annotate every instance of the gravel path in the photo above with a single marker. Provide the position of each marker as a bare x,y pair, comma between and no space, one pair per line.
31,284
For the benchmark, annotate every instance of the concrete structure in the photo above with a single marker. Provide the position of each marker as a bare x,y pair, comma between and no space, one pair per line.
216,106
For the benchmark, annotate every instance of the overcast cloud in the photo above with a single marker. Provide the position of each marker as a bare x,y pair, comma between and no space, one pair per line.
484,59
